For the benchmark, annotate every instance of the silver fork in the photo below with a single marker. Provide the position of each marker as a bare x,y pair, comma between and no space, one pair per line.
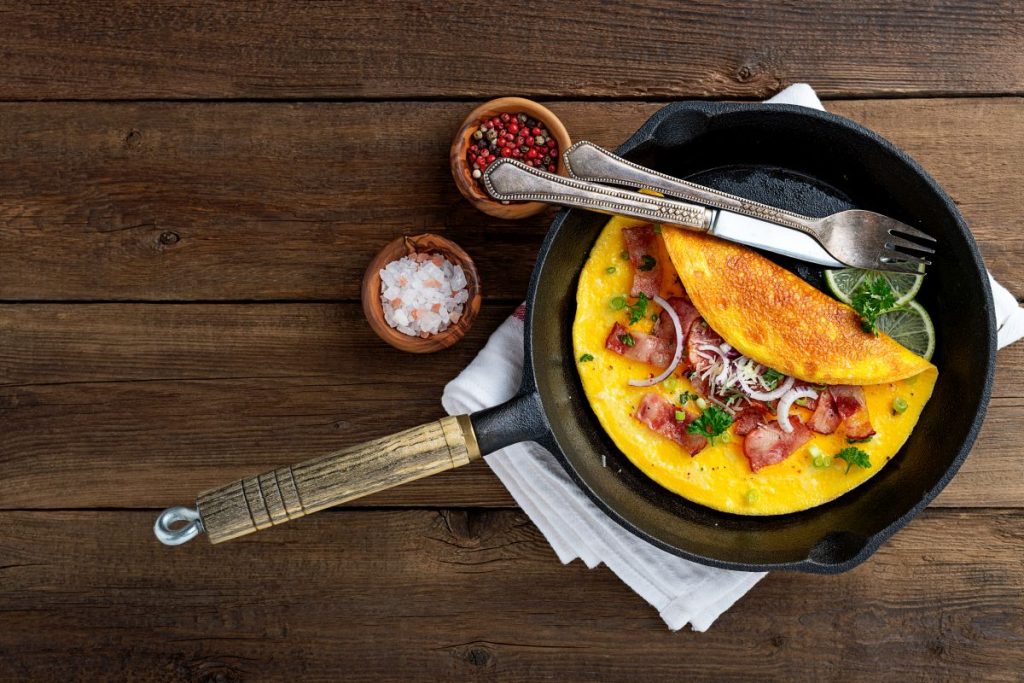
858,238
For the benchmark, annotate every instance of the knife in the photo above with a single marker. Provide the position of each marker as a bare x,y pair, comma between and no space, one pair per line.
509,180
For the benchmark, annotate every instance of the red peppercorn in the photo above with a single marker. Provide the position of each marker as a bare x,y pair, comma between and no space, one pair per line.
516,154
532,154
552,142
513,127
506,152
529,142
552,168
505,116
535,130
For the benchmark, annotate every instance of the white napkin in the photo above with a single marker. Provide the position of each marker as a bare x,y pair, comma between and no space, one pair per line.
683,592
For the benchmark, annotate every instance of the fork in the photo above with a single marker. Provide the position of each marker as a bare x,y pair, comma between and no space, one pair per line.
857,238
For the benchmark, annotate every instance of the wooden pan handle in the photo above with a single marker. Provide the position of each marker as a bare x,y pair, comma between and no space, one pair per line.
288,493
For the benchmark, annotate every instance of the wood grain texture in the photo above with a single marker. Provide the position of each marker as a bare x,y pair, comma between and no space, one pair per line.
453,595
653,48
250,201
146,405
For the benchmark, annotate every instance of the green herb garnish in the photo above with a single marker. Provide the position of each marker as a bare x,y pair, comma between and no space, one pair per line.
686,397
627,339
586,358
854,456
617,303
771,378
647,263
871,299
638,309
712,423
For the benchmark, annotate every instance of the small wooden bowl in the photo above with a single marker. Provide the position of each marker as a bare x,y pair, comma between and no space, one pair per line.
463,174
426,243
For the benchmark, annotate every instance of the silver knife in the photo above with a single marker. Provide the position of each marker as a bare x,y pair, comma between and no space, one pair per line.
511,180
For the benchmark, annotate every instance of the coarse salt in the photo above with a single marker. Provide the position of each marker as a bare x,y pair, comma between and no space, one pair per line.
422,294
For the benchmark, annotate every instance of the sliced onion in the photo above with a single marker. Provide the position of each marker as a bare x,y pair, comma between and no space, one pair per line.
676,357
724,374
768,395
786,402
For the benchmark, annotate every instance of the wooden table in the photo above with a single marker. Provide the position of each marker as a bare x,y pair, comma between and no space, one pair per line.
188,197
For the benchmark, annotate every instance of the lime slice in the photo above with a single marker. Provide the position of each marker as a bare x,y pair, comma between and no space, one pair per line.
844,283
911,327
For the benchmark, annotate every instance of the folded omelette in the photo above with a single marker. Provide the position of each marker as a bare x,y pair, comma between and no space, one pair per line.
756,394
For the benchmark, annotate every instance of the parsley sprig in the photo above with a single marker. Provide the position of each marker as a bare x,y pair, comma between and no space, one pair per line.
771,378
854,456
647,263
712,423
638,309
871,299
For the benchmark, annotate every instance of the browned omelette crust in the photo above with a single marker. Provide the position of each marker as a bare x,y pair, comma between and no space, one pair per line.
769,314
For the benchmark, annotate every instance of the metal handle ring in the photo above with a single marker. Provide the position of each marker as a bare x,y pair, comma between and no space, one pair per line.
182,534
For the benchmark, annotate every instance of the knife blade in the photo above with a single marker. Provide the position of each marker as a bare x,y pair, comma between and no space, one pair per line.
760,234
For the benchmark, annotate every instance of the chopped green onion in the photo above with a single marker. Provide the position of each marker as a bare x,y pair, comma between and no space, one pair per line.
671,384
610,269
701,403
586,358
647,263
753,495
822,461
657,228
654,317
681,415
627,339
618,303
864,440
899,405
814,451
624,255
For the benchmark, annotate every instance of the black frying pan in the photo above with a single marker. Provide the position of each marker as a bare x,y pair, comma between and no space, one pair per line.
816,164
810,162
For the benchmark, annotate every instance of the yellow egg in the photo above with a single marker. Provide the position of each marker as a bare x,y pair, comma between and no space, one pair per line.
719,476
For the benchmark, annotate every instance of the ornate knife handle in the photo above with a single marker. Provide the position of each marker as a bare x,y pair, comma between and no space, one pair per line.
588,162
512,180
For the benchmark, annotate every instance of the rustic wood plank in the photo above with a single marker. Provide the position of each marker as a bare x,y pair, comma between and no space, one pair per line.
653,48
250,201
425,595
147,405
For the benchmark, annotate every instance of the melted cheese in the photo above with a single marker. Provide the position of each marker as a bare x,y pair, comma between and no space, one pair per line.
719,476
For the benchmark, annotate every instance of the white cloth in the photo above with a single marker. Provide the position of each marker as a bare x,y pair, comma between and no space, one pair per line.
683,592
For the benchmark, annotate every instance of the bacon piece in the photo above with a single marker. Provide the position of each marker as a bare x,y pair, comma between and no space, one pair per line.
646,348
642,241
852,407
683,307
748,419
825,418
701,334
659,414
768,444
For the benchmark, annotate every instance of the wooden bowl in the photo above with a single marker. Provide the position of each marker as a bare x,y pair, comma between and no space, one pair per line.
463,174
426,243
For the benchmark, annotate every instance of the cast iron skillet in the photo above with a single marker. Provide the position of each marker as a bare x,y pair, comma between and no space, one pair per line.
814,163
799,159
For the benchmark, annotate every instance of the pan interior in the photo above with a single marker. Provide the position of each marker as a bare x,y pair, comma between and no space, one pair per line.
810,164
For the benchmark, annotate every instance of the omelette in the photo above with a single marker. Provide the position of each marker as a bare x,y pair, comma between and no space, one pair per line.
732,382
